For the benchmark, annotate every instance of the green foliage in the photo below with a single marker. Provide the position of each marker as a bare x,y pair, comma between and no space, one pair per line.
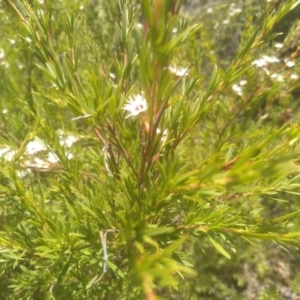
134,157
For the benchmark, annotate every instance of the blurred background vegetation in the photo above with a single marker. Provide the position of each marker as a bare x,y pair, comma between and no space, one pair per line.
266,97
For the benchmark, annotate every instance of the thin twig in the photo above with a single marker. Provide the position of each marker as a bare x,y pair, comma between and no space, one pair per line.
125,154
103,235
81,117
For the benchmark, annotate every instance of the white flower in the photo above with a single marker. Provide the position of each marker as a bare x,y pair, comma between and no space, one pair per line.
289,63
180,72
135,105
278,45
164,134
270,59
259,62
52,158
237,89
39,163
264,60
7,153
174,30
68,141
112,75
294,76
70,156
23,173
34,147
277,77
233,10
139,25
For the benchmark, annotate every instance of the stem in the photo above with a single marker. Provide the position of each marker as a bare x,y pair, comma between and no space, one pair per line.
121,149
111,153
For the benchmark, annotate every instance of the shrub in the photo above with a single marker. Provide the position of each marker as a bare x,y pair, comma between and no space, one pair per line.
134,154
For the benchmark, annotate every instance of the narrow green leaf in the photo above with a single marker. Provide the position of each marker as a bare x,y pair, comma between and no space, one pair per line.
286,217
158,231
219,248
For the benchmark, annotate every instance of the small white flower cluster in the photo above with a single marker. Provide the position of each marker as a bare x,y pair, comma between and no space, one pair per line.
277,77
289,63
237,87
265,60
234,10
7,153
278,45
34,150
68,141
179,71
